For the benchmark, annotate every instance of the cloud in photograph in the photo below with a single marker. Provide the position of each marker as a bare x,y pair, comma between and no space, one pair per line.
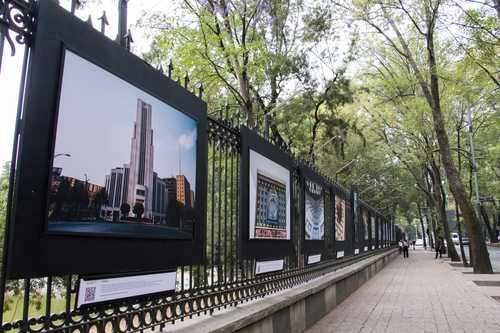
186,141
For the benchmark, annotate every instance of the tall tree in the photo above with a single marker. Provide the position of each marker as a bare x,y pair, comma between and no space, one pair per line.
421,18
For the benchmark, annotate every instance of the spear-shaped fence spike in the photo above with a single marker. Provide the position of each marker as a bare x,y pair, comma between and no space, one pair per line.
104,21
89,21
200,90
129,39
186,80
178,80
170,68
160,69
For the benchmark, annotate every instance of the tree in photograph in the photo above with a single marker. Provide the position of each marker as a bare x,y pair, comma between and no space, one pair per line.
138,210
125,210
100,199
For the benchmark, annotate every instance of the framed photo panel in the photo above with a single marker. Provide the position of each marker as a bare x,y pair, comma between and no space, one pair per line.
266,198
313,207
340,219
365,224
98,176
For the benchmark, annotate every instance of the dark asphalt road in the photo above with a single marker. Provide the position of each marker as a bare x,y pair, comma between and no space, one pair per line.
494,255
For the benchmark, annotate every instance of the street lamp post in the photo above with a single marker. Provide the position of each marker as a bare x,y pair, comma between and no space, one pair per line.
62,154
343,168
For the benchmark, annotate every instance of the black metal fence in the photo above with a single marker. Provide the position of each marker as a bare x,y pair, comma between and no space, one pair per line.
223,279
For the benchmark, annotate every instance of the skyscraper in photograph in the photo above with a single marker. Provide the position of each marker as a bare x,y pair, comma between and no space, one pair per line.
116,184
140,186
160,200
183,190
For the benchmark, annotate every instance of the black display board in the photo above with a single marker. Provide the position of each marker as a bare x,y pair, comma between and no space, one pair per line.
313,210
49,235
266,199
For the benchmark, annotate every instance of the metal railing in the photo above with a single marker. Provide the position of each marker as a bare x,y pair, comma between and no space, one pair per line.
222,280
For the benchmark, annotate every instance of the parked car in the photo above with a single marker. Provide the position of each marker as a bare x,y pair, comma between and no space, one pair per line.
419,242
456,240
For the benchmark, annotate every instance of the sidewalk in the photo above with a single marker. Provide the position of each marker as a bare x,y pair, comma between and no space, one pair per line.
419,294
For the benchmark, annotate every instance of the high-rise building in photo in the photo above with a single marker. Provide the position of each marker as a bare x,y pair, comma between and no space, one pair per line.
140,185
160,200
116,184
183,190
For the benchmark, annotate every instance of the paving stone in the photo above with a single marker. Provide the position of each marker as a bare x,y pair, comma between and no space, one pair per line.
418,294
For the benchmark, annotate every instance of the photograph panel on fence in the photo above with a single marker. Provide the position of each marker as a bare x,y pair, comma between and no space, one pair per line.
372,218
269,199
365,224
340,214
124,162
314,211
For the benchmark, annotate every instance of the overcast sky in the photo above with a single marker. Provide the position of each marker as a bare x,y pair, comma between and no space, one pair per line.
95,125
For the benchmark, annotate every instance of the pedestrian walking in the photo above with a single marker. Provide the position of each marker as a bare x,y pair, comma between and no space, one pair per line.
405,249
413,243
400,243
439,247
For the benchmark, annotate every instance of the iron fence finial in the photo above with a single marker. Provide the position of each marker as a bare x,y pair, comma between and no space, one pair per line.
186,80
89,21
129,40
170,68
104,21
201,90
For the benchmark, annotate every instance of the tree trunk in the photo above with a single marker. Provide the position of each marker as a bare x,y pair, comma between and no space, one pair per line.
440,198
479,251
486,219
422,225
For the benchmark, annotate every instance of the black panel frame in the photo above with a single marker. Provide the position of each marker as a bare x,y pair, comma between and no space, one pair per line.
32,252
262,249
312,247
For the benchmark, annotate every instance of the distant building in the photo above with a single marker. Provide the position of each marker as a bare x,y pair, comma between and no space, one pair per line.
171,185
116,184
192,198
183,190
159,200
140,185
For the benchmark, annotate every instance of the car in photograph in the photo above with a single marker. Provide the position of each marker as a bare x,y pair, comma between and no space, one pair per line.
419,242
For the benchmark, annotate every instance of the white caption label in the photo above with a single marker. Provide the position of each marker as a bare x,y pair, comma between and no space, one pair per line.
314,259
340,254
356,251
269,266
101,290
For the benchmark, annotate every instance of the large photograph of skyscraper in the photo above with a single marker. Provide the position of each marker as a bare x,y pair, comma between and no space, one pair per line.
124,161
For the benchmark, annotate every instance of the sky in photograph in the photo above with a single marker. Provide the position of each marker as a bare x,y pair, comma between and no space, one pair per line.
97,112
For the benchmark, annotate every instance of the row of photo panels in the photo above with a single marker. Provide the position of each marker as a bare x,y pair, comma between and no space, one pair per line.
325,212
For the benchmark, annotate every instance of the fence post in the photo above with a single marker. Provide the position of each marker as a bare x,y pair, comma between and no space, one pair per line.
122,23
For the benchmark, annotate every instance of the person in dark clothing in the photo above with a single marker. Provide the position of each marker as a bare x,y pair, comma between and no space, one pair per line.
439,247
413,244
405,249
